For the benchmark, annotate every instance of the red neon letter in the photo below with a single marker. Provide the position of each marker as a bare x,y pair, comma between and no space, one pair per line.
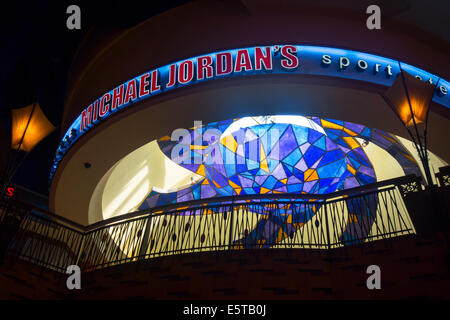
143,83
155,85
290,55
95,115
220,63
10,192
185,72
104,107
131,91
243,61
117,99
204,63
172,76
86,117
265,59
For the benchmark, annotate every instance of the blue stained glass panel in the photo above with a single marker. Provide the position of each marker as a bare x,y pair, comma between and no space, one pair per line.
279,156
312,155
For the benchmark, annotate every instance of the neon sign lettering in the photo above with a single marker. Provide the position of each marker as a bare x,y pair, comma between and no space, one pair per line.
276,59
10,192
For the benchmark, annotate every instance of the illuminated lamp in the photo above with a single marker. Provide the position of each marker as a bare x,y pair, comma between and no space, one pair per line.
29,126
409,98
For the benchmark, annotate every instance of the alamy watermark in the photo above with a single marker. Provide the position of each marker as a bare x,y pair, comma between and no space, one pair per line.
197,147
374,20
374,281
74,20
74,280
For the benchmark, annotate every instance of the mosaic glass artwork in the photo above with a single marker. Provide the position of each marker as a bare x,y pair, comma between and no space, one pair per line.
278,154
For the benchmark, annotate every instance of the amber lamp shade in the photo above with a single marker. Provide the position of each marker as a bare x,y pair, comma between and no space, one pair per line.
29,127
420,94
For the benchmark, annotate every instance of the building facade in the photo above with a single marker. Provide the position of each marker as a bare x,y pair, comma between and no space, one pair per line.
222,126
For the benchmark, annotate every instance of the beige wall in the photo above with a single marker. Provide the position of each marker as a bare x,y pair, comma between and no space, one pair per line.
207,26
147,168
118,137
136,175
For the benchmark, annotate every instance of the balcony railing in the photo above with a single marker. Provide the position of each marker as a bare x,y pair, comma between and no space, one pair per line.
348,217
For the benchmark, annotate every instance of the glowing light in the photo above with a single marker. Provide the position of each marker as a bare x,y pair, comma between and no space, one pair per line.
29,127
310,57
420,94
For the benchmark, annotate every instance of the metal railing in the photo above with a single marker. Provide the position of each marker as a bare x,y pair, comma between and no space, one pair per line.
39,236
348,217
443,176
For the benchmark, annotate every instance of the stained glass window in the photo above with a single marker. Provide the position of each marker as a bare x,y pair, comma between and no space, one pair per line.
279,154
273,154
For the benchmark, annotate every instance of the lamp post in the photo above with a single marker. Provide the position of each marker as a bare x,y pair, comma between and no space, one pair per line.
29,126
409,98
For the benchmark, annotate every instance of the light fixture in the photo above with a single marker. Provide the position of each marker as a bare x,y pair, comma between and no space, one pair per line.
409,97
29,126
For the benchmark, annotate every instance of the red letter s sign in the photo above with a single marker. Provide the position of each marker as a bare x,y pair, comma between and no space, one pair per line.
10,192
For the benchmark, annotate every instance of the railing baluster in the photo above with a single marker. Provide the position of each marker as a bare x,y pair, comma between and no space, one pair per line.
374,214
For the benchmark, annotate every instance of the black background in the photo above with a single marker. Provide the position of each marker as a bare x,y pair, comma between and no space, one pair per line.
36,53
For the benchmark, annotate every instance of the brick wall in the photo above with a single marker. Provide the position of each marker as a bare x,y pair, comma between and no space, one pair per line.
24,280
410,268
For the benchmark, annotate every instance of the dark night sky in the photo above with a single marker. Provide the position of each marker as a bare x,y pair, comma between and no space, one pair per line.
36,53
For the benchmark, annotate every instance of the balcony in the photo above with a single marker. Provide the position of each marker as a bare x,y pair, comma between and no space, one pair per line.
351,217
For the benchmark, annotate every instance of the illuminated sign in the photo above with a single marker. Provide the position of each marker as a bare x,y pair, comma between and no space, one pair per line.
275,59
10,192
